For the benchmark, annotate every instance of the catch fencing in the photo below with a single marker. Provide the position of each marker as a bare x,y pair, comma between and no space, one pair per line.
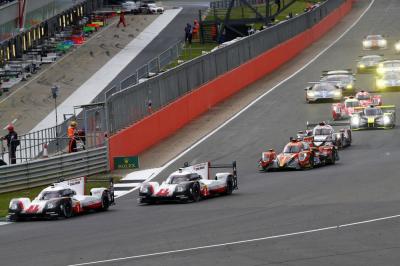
237,3
42,172
131,104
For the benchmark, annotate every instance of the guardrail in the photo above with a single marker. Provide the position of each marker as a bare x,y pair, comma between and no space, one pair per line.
129,105
42,172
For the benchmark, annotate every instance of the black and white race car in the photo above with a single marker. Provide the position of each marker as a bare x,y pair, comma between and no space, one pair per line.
323,133
190,184
62,199
343,79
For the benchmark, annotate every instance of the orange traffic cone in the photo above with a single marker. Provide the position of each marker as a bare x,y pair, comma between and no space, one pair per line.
45,152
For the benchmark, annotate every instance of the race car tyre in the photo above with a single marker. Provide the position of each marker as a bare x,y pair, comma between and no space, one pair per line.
332,160
229,186
311,162
195,192
105,202
66,209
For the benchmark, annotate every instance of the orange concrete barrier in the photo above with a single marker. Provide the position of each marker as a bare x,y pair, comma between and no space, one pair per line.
164,122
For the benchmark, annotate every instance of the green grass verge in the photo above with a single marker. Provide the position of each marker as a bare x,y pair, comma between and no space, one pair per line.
245,12
33,192
191,51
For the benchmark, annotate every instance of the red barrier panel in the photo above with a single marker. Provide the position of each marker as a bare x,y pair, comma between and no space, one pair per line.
163,123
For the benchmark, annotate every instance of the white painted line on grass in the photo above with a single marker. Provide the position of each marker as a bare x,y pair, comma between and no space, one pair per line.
241,242
260,97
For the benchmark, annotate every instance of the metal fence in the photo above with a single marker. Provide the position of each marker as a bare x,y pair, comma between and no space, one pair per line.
237,3
153,67
131,104
42,172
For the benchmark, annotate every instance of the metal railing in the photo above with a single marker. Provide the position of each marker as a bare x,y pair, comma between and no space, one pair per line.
41,172
236,3
129,105
152,68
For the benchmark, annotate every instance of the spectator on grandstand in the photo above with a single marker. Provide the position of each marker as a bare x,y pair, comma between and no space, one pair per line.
72,134
12,143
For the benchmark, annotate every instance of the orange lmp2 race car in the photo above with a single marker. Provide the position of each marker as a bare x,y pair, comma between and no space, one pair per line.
299,154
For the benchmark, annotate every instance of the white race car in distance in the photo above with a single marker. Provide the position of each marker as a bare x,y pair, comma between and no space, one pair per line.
62,199
371,42
190,184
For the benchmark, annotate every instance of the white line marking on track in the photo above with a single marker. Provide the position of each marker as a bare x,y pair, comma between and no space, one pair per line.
242,241
258,98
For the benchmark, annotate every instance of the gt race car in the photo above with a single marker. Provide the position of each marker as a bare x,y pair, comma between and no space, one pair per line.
389,81
62,199
323,91
190,184
372,42
343,79
368,63
374,117
298,155
324,133
388,66
362,99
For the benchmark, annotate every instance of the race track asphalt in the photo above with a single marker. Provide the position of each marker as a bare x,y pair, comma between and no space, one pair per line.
363,185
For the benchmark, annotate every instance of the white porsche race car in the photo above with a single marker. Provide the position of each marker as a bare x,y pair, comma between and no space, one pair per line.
62,199
190,184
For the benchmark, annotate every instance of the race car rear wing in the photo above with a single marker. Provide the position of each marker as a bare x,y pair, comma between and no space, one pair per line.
334,124
348,71
227,166
384,108
203,169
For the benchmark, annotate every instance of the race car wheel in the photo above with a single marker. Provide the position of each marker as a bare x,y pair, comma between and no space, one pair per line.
229,186
311,162
105,202
195,192
66,209
333,157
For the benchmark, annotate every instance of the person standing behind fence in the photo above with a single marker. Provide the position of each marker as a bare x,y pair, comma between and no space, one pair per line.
196,28
188,33
72,133
12,143
278,3
121,19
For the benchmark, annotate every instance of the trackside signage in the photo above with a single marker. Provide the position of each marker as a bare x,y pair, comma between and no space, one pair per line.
131,162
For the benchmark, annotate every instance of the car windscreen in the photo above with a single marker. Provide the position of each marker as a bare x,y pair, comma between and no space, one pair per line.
374,37
323,87
371,59
363,96
291,148
176,179
391,64
50,195
322,131
372,111
392,75
352,104
345,78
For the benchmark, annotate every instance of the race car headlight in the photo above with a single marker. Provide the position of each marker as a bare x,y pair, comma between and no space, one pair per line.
382,42
180,188
302,156
51,205
337,93
145,189
13,206
386,120
349,86
366,43
397,46
355,121
310,93
380,83
361,66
